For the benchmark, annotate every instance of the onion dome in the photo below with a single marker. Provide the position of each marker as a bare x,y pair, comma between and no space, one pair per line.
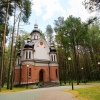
35,29
52,48
35,25
29,44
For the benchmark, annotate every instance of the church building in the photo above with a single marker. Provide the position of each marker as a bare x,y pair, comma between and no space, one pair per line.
36,61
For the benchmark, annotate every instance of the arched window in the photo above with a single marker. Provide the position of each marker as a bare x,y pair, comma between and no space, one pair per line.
29,72
26,54
30,55
51,57
34,36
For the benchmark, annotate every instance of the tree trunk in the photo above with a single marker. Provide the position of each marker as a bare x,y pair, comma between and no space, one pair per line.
10,71
3,44
76,64
14,60
12,55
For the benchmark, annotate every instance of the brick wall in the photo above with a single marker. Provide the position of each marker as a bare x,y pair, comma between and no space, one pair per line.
17,75
53,75
35,74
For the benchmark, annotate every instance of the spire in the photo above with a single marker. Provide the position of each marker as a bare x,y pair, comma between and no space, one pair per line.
52,43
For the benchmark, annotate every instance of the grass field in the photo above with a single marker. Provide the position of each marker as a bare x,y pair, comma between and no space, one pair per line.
91,93
15,89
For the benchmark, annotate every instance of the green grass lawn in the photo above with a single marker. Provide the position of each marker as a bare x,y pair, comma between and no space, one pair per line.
15,89
91,93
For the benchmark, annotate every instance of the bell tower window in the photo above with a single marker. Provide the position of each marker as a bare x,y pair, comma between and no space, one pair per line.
34,36
30,55
51,57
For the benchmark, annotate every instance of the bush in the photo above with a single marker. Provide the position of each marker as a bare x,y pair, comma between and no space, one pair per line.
58,83
33,87
40,84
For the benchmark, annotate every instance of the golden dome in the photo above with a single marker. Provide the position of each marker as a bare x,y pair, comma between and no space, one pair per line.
35,25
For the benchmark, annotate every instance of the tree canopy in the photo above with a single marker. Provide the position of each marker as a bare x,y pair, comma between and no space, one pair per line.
92,5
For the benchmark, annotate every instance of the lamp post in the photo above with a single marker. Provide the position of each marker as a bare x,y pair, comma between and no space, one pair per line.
27,76
82,68
11,80
69,59
98,64
82,72
99,68
82,75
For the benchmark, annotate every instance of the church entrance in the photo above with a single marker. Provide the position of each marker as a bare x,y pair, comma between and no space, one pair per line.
41,75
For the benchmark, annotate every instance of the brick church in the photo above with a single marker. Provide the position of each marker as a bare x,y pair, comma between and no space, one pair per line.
36,61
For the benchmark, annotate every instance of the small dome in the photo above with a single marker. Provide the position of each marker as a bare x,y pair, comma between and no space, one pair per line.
36,29
52,49
35,25
29,44
52,43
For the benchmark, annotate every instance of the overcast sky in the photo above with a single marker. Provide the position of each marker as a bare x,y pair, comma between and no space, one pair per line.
44,12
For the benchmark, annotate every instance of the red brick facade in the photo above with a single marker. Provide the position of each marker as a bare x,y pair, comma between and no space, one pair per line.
35,74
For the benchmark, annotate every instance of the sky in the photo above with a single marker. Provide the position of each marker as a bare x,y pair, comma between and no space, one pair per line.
44,12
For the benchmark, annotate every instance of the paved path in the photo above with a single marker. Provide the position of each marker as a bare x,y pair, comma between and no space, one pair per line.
56,95
53,93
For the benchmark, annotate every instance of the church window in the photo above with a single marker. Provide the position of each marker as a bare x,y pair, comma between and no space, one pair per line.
51,57
30,55
54,57
56,73
34,36
26,55
29,72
